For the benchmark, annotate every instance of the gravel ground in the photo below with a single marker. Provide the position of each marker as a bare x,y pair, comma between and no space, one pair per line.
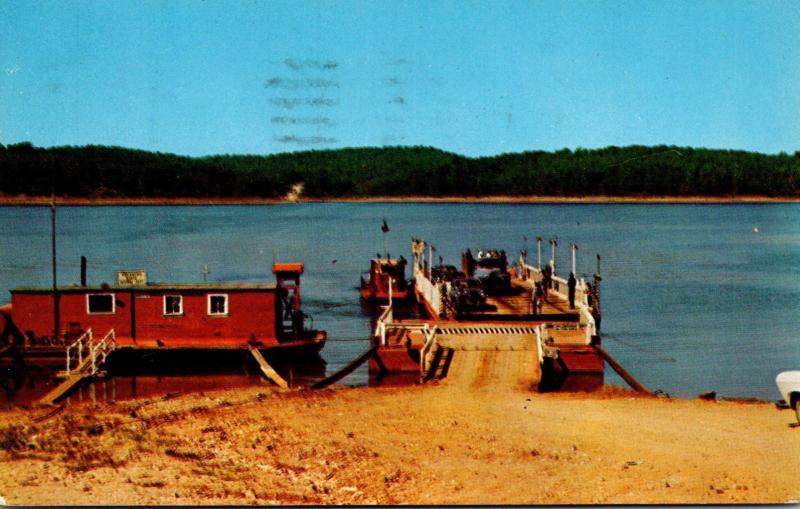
400,445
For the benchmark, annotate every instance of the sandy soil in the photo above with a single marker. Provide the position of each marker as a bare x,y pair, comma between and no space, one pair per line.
440,444
294,197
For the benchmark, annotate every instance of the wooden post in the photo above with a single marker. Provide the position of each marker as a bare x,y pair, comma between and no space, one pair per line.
633,382
268,370
56,310
83,271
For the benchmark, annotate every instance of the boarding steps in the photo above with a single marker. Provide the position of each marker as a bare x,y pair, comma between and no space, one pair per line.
89,355
439,363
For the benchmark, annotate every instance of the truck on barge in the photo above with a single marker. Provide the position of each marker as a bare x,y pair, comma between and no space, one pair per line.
522,314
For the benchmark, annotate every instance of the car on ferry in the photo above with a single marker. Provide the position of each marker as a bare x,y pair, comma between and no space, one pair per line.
466,294
491,269
442,273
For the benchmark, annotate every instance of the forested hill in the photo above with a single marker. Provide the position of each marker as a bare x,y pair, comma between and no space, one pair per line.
97,171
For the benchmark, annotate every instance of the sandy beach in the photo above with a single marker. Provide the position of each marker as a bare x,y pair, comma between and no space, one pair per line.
400,445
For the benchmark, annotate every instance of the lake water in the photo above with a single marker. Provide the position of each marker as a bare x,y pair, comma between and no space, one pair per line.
694,299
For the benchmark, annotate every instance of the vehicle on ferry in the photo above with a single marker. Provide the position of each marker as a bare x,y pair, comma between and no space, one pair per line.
490,267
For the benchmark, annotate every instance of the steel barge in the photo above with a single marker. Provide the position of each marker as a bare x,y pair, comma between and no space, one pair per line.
522,325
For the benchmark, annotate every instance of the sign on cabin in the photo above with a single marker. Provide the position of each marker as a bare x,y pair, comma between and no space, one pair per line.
131,278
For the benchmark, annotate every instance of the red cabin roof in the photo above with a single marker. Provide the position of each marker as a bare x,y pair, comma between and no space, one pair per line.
290,268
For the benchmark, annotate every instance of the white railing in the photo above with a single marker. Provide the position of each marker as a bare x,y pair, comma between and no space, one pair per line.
84,340
427,348
429,291
561,288
386,318
382,329
545,344
98,352
588,320
561,285
540,336
103,347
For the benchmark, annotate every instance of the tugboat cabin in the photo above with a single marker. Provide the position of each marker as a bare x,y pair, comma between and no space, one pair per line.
166,315
382,273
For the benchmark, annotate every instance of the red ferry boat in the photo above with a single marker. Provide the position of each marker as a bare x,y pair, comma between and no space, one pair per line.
144,315
384,272
387,276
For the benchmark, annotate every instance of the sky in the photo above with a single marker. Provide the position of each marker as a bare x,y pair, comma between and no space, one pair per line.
471,77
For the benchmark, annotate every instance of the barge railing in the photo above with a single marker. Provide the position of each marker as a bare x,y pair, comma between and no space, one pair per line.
97,352
588,319
386,318
102,349
78,344
421,272
545,344
561,288
427,349
429,290
541,333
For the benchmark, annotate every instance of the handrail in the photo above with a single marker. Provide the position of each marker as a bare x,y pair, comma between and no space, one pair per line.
103,348
78,344
383,321
591,326
540,343
428,289
98,352
430,341
581,302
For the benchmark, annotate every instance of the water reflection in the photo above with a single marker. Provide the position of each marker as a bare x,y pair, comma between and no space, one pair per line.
134,375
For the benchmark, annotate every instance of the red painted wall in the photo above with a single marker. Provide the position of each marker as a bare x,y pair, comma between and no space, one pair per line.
251,314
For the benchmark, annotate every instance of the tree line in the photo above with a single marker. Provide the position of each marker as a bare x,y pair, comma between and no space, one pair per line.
101,171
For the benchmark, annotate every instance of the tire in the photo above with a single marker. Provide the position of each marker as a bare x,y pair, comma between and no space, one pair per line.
796,405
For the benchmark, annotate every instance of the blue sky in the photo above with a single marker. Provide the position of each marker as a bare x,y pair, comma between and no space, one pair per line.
476,78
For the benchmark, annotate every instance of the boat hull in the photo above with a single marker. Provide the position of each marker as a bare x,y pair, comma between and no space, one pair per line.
396,359
372,294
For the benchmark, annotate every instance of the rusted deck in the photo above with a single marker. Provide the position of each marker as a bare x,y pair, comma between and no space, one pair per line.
493,362
497,347
520,301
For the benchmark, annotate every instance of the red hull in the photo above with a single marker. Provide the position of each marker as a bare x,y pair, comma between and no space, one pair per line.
396,359
378,295
582,370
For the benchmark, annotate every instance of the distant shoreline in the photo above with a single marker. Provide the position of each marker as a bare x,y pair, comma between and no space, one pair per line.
24,200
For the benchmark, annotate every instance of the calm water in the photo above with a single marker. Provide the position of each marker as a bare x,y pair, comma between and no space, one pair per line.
693,298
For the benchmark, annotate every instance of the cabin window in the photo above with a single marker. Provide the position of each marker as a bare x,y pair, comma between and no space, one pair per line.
100,304
218,305
173,305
